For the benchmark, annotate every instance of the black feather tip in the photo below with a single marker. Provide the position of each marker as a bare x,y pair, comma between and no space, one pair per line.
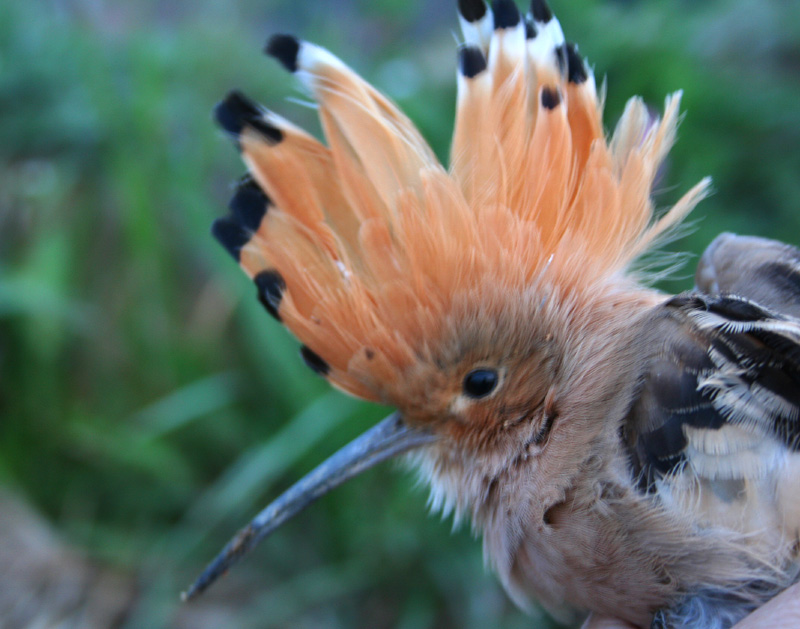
471,61
576,70
540,11
285,49
248,207
249,204
270,287
530,28
238,111
550,98
506,14
231,235
314,362
472,10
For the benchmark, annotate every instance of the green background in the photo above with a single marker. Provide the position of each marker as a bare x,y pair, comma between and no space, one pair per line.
149,406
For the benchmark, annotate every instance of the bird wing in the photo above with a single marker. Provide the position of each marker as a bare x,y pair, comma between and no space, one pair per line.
758,269
719,395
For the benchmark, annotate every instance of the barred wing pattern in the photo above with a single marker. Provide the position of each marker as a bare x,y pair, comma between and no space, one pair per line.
716,420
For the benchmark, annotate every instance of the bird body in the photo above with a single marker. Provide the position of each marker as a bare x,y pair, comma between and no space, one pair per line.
609,490
621,451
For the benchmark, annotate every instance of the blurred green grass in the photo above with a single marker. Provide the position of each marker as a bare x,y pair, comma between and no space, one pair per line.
148,405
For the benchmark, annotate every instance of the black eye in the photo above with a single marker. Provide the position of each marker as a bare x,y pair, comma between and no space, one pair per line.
480,382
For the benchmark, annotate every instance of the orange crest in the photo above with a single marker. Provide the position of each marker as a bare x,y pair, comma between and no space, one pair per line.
362,246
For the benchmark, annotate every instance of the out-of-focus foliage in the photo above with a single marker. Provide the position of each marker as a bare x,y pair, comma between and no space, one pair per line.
149,406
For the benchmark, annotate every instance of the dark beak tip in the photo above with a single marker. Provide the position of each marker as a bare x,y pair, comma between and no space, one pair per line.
385,440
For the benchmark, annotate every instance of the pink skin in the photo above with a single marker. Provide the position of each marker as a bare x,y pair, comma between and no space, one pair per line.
781,611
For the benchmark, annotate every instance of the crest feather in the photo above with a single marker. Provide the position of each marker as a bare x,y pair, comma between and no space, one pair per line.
370,239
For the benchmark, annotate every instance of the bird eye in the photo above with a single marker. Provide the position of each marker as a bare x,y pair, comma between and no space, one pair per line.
480,382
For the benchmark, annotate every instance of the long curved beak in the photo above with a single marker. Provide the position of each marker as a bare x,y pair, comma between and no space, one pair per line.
387,439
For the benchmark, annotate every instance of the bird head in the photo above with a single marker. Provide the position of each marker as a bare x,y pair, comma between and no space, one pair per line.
463,296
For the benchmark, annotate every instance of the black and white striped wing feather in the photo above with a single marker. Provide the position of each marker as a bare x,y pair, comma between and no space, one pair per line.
719,398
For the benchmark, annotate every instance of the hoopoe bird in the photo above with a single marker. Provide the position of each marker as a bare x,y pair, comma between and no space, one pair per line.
622,451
